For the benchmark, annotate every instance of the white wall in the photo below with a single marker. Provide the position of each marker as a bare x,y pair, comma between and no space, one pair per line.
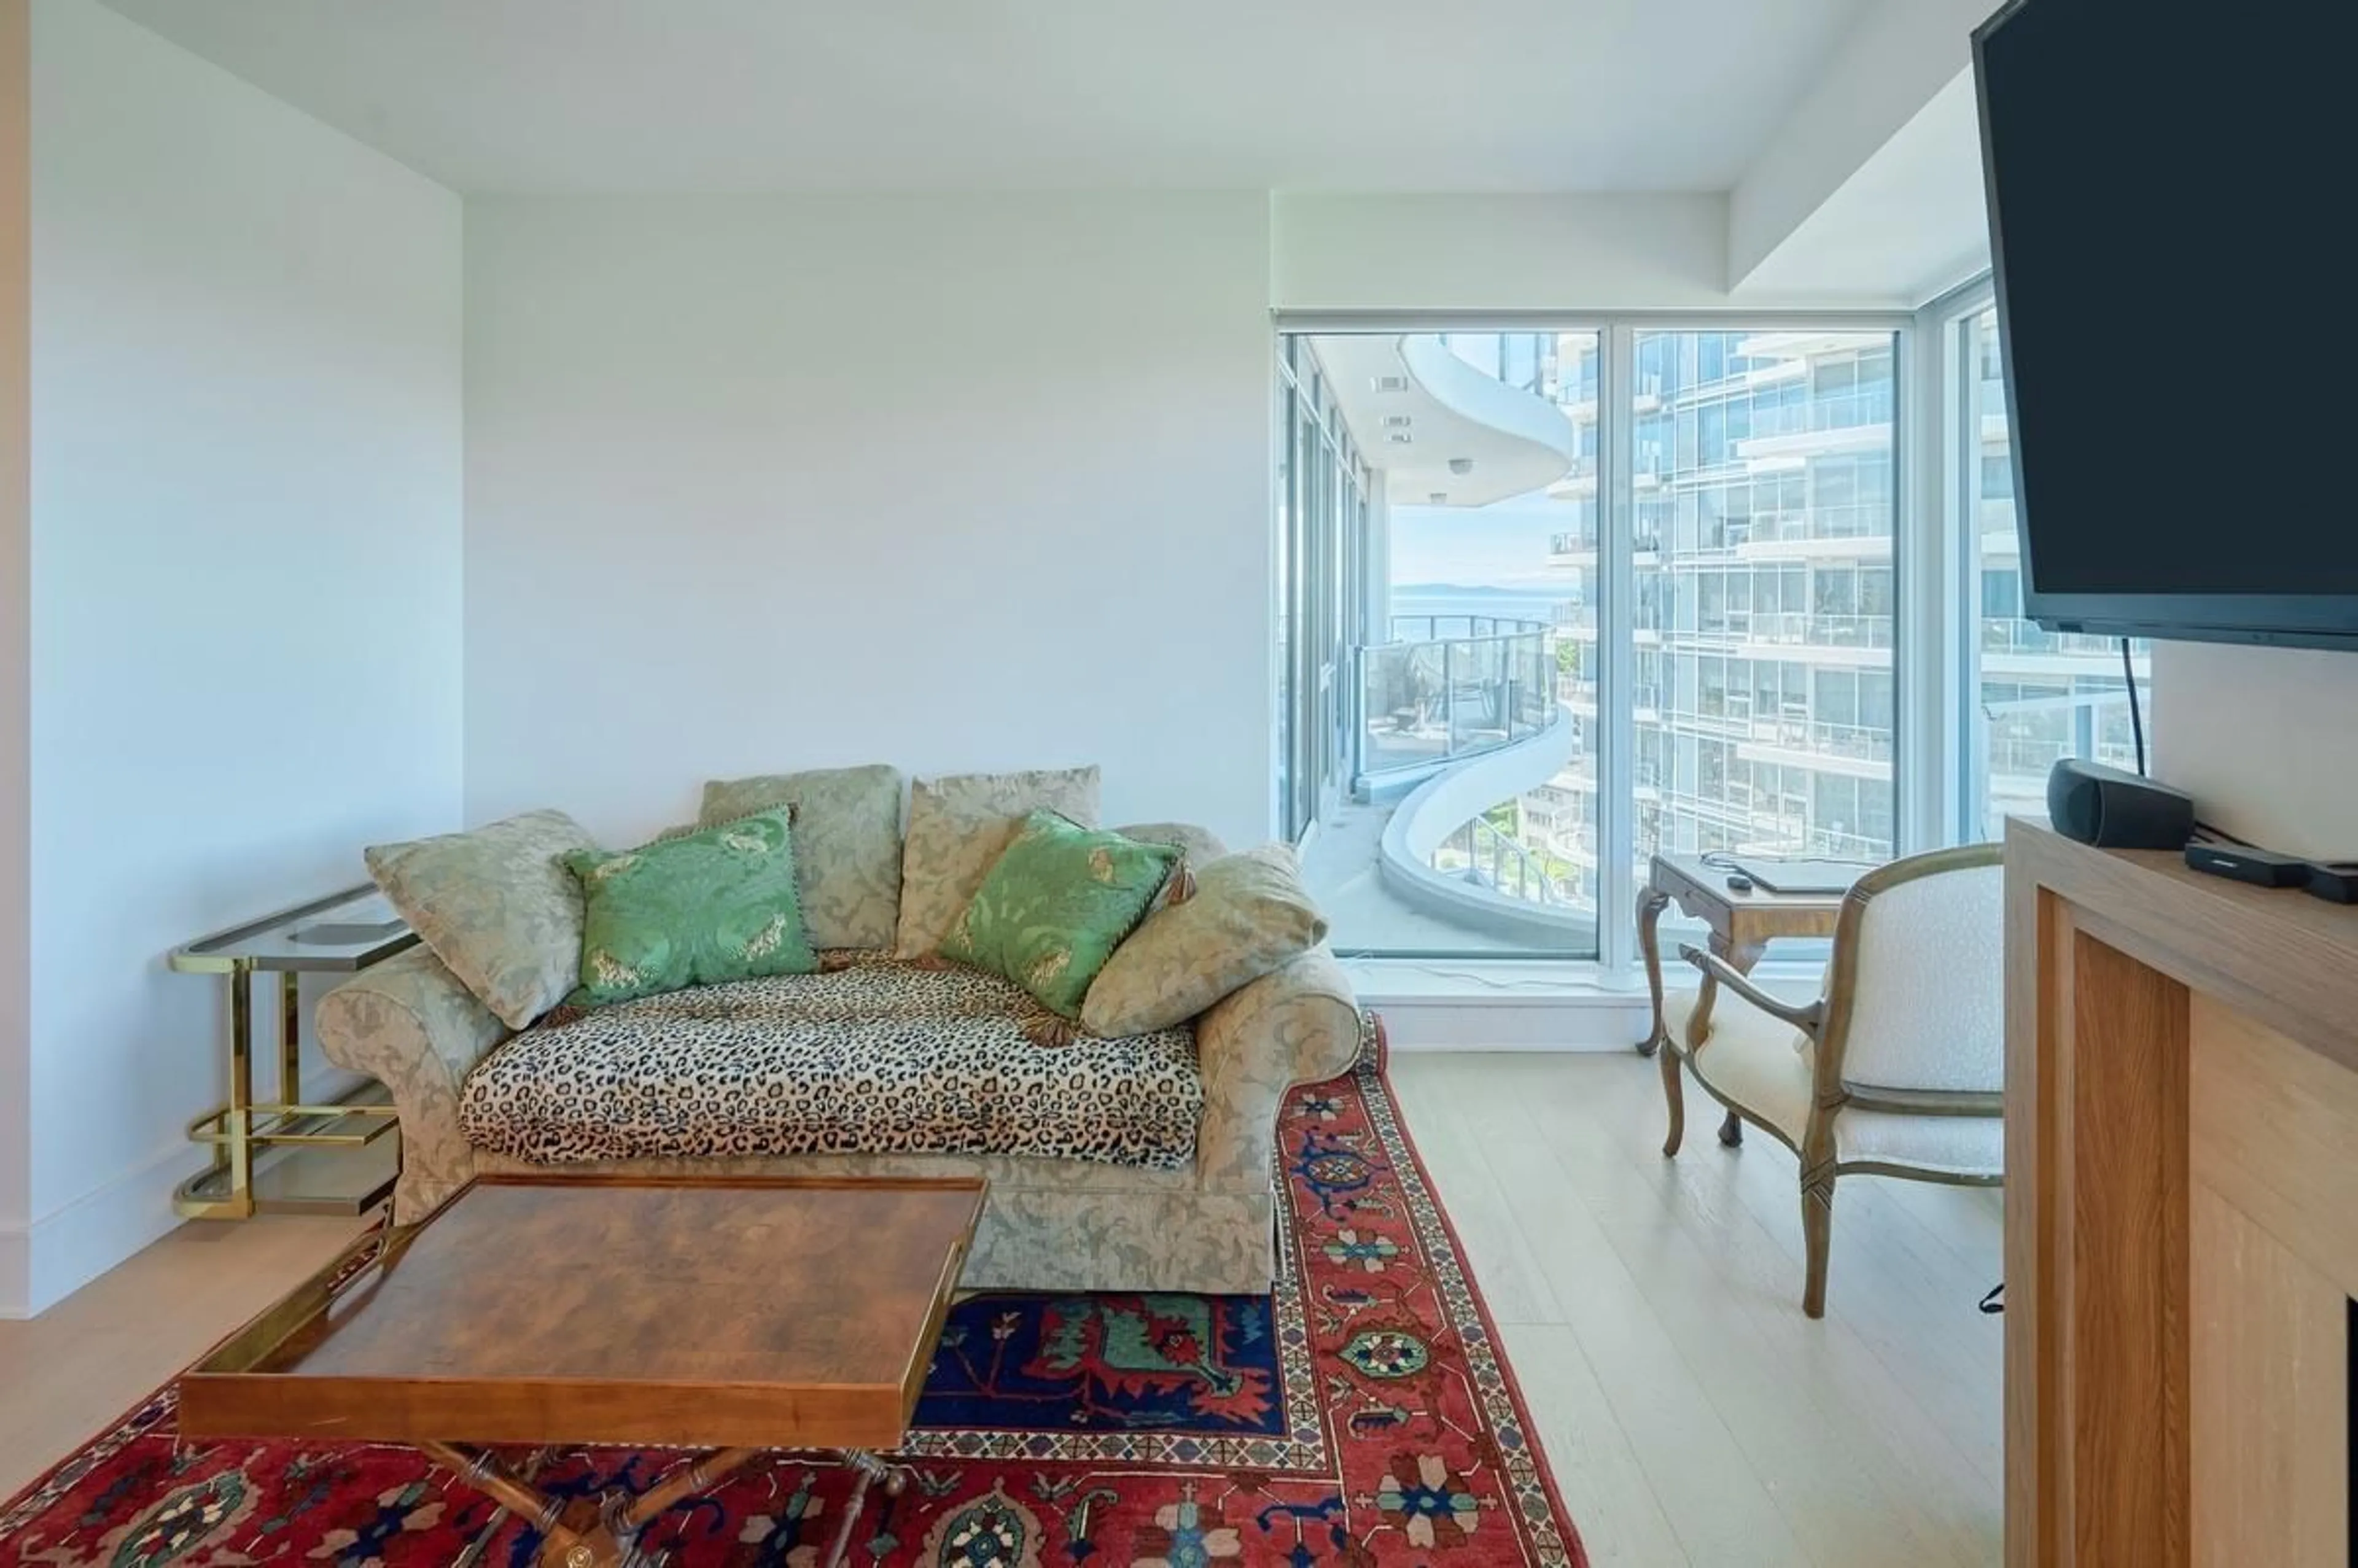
15,764
2265,739
245,575
953,482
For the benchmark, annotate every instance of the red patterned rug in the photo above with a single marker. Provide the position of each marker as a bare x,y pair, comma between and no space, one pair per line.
1363,1414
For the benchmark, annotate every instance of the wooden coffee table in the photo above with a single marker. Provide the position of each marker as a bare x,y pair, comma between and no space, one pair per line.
552,1311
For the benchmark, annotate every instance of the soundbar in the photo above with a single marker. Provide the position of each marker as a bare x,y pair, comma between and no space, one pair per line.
2117,810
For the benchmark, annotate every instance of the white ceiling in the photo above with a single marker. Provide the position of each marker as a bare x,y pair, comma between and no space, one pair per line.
728,95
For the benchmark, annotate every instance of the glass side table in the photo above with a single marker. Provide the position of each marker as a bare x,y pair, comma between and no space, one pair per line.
339,1158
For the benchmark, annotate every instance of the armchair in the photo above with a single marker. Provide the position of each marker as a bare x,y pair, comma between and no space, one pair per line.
1896,1068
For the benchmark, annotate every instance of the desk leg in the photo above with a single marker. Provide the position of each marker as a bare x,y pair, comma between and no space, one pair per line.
1651,905
1741,960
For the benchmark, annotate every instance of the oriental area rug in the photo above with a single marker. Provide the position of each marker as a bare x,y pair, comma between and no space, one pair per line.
1363,1414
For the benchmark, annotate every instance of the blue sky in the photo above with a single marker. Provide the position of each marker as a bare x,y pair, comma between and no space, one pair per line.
1501,546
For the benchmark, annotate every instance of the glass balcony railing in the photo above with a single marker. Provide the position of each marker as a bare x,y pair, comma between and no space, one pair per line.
1826,738
2007,635
1866,407
1790,629
1452,686
1485,855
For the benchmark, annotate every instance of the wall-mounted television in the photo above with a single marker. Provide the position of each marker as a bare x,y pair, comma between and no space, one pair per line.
2168,187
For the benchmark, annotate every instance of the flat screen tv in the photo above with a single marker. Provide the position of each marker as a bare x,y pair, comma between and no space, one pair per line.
2169,194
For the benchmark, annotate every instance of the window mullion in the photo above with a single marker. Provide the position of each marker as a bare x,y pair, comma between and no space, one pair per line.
1617,798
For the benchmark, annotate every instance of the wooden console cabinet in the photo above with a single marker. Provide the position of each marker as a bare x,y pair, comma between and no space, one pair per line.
2181,1214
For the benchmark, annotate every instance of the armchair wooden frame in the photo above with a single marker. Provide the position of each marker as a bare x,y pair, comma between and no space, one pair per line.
1827,1023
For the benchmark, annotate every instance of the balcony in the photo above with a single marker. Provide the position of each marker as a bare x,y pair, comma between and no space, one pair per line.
1449,687
1457,715
2009,636
1853,421
1824,746
1843,639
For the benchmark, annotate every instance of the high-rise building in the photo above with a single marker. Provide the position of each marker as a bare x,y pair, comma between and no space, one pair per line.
1761,523
1763,496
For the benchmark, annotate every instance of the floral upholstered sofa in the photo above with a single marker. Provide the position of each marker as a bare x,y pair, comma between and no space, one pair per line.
1134,1163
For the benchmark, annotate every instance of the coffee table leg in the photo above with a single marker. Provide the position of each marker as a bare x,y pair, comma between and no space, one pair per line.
560,1546
613,1542
691,1481
866,1468
483,1541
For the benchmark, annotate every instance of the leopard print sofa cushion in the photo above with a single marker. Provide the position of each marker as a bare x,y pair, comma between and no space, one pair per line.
872,1058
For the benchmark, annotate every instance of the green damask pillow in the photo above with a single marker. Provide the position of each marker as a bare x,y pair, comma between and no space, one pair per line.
710,906
1056,905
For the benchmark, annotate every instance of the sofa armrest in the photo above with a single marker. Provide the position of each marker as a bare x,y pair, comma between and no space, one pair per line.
1298,1024
409,1024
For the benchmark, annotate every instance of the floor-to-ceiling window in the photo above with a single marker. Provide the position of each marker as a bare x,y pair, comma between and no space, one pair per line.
2032,696
1764,489
1753,632
1694,551
1323,520
1465,720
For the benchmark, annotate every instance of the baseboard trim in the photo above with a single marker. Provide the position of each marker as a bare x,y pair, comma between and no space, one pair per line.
1457,1023
66,1248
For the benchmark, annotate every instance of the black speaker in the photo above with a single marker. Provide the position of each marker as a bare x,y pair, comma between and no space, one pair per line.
2114,810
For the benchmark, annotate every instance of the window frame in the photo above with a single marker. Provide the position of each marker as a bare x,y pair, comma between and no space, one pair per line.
1922,576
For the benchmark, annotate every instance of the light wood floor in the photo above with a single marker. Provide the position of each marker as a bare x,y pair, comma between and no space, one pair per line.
65,1375
1652,1309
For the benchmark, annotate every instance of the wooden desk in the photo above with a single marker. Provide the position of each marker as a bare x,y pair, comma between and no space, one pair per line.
1742,924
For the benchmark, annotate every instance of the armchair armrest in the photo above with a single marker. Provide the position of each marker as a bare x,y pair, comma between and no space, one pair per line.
1298,1024
1800,1015
409,1024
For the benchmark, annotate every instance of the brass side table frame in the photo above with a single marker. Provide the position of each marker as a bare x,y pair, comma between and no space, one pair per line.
1742,924
292,943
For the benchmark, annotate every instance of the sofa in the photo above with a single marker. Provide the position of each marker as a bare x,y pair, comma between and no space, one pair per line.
1142,1164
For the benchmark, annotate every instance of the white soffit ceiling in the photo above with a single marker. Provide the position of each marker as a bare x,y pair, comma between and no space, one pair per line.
1911,222
734,95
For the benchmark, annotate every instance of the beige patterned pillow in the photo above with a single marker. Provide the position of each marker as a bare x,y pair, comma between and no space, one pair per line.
1201,844
496,906
1250,916
959,827
847,845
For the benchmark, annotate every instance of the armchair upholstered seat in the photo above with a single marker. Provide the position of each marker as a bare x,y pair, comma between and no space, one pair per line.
1896,1068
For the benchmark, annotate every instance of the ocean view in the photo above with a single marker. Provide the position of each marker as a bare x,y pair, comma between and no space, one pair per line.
1463,598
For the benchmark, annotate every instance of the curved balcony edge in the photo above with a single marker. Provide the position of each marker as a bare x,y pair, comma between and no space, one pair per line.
1446,801
1533,422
